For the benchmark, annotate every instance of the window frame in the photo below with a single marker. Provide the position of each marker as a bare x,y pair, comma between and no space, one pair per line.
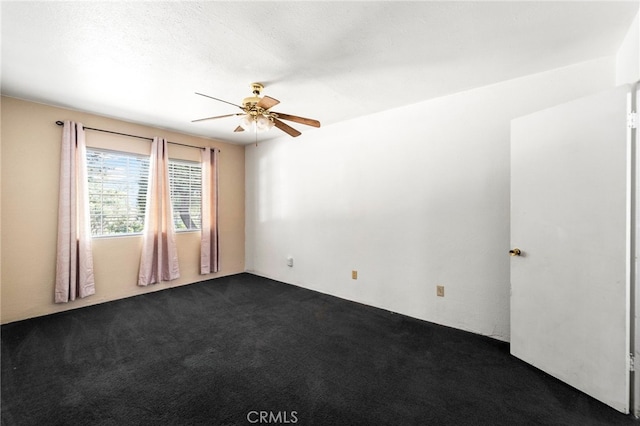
144,182
196,219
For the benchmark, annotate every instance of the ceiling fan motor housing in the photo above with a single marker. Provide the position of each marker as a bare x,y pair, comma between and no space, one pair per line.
251,101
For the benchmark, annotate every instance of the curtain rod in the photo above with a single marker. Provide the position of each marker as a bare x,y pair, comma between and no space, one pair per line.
60,123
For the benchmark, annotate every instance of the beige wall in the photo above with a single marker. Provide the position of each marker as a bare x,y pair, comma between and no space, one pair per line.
30,148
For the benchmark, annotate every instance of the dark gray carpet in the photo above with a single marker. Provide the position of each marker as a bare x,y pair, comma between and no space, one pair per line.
222,351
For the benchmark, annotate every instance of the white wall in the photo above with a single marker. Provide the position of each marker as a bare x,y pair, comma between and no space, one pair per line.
411,198
628,57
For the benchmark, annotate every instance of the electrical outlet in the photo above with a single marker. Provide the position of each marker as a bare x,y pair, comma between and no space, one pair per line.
440,291
354,275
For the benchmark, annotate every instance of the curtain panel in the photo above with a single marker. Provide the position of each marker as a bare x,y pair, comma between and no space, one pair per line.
159,260
74,257
209,242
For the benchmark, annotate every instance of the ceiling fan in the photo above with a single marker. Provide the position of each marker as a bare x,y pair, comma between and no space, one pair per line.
257,115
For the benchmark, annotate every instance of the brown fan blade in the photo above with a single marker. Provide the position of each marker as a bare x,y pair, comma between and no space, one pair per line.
220,100
239,129
301,120
213,118
267,102
286,128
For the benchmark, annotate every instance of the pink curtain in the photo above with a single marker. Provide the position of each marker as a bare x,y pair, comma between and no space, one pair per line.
74,259
159,261
209,250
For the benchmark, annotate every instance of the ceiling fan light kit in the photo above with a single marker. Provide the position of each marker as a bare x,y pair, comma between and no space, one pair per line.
257,117
257,123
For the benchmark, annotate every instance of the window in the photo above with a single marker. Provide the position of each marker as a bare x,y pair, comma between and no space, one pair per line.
118,183
185,182
117,191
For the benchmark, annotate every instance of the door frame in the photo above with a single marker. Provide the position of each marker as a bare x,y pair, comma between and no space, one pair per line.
634,273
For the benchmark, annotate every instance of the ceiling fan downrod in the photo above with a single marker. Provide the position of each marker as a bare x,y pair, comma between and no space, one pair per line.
250,102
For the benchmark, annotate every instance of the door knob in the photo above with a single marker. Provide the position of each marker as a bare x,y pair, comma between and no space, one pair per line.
515,252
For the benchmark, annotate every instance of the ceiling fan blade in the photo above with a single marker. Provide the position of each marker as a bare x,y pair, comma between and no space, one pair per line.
302,120
216,99
267,102
213,118
286,128
239,129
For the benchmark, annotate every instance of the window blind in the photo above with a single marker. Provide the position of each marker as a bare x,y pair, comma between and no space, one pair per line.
186,194
117,191
118,183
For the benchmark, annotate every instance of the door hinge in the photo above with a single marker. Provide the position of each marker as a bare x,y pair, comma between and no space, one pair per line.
632,120
632,362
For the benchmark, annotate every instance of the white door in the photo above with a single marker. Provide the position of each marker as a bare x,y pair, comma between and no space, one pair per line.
570,217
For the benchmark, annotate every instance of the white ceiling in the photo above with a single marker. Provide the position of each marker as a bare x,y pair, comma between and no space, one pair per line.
332,61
